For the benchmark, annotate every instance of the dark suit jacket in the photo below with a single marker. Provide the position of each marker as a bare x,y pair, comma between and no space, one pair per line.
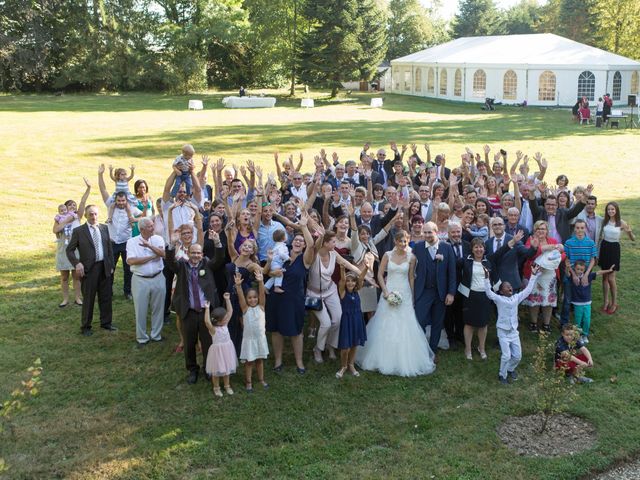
506,267
563,215
82,240
466,251
445,270
378,223
207,282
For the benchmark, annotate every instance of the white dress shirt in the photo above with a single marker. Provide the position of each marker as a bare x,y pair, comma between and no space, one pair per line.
136,250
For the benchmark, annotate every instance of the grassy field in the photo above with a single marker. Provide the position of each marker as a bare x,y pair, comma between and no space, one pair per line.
109,410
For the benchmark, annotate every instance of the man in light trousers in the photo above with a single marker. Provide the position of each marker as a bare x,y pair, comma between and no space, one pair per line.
145,255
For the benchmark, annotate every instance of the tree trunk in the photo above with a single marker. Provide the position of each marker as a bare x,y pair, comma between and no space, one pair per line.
334,91
293,48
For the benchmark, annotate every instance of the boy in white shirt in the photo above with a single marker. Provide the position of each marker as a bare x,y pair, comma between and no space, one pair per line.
507,323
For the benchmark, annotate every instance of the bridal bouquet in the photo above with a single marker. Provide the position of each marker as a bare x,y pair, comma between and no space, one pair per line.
394,299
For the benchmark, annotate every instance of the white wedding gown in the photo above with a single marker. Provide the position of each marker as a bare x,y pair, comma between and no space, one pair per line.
396,344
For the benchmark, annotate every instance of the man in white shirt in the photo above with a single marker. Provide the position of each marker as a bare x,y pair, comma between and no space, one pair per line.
121,218
145,255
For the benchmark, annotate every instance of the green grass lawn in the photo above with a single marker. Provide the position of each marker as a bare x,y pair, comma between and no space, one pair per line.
109,410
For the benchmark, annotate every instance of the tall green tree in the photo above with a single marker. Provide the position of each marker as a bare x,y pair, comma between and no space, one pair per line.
410,28
477,18
333,50
373,39
276,26
523,17
617,26
577,21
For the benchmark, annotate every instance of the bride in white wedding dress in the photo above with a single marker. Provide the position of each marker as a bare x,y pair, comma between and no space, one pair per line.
396,345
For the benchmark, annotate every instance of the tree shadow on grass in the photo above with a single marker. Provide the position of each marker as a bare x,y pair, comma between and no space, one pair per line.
226,139
131,102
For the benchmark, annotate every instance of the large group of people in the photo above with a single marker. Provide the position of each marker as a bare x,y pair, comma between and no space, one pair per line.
385,260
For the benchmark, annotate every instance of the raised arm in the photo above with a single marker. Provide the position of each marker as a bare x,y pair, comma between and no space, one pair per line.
237,280
166,193
130,177
309,250
85,197
299,166
207,319
101,184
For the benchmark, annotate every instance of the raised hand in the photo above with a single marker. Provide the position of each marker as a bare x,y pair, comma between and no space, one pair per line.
214,236
334,157
518,236
205,160
404,148
486,149
251,166
366,146
220,164
258,276
393,146
87,182
101,169
237,279
426,147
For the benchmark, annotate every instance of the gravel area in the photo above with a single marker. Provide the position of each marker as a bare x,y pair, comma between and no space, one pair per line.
565,435
629,471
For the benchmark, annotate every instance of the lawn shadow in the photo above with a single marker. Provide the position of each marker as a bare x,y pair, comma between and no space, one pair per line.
225,139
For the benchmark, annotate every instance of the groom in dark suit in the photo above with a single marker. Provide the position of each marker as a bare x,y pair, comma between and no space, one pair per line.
435,283
94,267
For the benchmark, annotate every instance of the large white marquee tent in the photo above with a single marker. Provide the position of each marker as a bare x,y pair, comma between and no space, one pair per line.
543,69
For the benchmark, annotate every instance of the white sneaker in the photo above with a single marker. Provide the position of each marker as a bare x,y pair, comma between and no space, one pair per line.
584,339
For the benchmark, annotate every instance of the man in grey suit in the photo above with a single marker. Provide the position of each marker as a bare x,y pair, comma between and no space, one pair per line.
94,265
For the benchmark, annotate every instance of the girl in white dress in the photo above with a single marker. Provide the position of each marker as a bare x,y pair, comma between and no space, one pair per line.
396,345
254,348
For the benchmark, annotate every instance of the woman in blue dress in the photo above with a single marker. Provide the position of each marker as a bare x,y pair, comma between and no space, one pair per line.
285,311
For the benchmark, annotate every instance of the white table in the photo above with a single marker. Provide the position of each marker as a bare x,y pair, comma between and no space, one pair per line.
249,102
307,102
195,105
376,102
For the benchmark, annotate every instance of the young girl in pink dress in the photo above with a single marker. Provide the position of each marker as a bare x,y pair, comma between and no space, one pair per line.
222,360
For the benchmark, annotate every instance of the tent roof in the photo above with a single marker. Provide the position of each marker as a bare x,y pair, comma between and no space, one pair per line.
533,49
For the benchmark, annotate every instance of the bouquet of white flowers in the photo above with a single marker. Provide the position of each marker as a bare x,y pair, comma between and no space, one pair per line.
394,299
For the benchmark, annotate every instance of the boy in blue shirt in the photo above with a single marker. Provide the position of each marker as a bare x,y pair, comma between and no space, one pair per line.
580,285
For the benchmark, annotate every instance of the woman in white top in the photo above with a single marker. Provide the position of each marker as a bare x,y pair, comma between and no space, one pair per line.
62,229
320,285
612,227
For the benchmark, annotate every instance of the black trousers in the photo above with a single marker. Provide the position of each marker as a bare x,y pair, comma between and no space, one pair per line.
96,281
453,323
120,250
194,328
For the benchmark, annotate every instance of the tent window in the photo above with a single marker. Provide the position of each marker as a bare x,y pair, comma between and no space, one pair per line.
396,80
430,81
547,86
510,85
457,84
634,83
443,82
407,81
479,84
587,85
617,85
418,83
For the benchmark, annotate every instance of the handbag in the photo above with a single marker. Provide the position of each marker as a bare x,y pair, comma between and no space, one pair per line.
314,303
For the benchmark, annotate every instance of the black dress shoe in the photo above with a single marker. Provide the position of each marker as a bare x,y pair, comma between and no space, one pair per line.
193,377
111,328
87,333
